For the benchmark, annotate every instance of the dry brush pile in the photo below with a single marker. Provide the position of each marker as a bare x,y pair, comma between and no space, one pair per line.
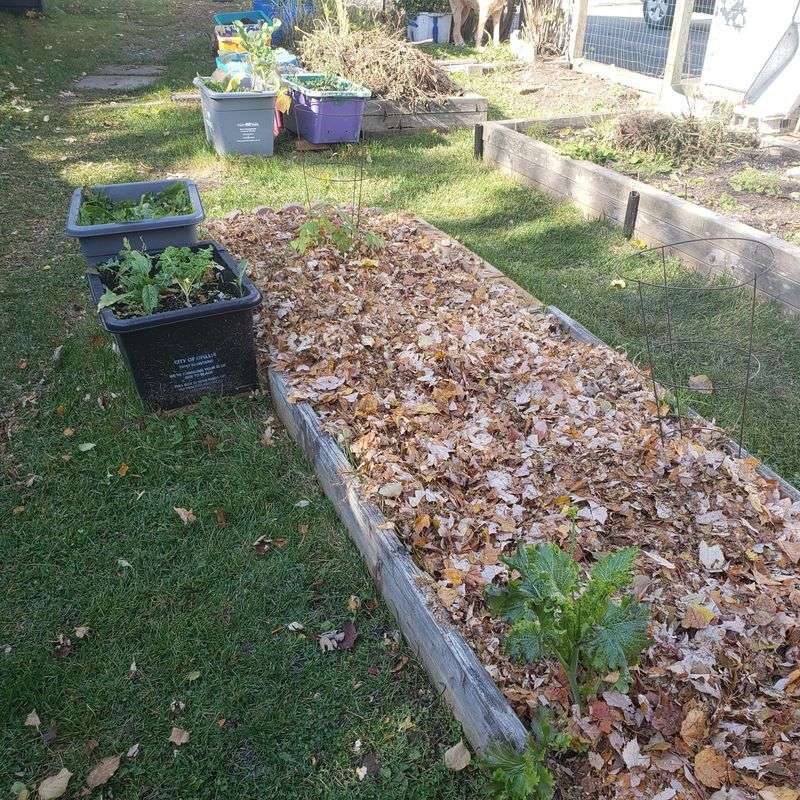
383,61
474,420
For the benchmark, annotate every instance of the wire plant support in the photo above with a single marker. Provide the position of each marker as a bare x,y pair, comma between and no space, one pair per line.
334,174
696,328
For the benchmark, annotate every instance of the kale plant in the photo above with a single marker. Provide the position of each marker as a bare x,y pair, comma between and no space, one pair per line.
97,208
525,776
555,615
142,285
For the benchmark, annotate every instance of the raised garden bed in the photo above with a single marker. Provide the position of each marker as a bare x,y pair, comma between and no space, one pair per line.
663,219
470,418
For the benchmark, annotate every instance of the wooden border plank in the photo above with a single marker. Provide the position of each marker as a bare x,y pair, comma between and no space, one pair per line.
454,669
663,218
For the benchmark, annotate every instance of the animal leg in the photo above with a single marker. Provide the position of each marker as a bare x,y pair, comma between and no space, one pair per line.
482,15
496,21
457,8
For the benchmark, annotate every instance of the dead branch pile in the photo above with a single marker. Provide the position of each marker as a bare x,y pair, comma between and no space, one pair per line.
681,138
390,67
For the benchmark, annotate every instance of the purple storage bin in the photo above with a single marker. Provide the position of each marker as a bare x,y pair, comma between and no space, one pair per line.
325,117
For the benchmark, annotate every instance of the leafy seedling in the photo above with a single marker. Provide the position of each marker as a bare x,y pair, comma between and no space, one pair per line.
554,615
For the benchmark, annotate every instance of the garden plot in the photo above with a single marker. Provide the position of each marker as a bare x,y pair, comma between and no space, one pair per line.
731,175
473,420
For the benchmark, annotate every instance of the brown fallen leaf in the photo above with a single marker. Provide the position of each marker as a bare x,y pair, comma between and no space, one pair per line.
710,768
82,631
371,763
63,646
697,617
91,744
779,793
123,470
179,736
350,636
262,545
792,550
701,384
102,772
353,603
54,786
186,514
457,757
694,728
221,517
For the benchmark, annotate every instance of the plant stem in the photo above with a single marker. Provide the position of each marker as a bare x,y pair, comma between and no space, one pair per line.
572,676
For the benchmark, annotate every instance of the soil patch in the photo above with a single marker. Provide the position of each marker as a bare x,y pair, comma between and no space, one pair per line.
472,420
748,185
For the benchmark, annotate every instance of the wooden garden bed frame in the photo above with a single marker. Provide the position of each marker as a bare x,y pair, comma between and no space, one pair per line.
663,219
382,117
455,671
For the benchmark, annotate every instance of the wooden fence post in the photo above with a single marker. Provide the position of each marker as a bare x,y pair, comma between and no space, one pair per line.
678,41
579,16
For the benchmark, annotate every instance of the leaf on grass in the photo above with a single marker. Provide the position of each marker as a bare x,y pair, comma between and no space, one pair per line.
179,736
371,763
221,517
101,774
701,384
302,503
54,786
69,432
121,562
85,447
49,736
177,707
20,790
63,646
353,603
82,631
350,636
186,514
295,627
193,675
457,757
361,773
32,720
123,470
133,751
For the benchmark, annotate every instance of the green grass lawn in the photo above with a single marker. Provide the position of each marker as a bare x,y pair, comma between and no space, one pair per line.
84,545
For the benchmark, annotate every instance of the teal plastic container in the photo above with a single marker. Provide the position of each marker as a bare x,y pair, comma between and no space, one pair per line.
229,17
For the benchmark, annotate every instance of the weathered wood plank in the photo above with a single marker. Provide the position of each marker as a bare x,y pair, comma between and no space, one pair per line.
453,667
381,116
663,218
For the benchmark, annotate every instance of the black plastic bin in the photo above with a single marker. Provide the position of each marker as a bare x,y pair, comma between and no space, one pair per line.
177,357
101,242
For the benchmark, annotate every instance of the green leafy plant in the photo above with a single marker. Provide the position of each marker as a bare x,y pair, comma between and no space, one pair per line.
257,43
414,7
97,208
555,615
341,233
525,776
595,150
756,181
141,283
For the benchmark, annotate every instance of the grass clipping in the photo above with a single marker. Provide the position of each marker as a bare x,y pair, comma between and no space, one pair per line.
390,67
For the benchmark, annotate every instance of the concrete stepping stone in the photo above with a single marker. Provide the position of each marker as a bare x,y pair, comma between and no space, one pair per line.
115,77
131,69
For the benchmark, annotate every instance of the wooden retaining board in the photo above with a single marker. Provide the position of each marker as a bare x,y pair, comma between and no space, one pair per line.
382,117
454,669
663,218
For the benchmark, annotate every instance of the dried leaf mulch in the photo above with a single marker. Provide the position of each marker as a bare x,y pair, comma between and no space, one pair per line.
474,419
